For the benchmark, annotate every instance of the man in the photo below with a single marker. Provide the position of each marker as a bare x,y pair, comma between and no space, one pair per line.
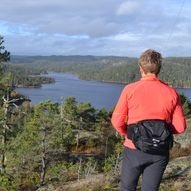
147,99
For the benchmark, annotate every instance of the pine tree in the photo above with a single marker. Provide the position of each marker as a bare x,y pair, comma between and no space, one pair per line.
4,54
32,147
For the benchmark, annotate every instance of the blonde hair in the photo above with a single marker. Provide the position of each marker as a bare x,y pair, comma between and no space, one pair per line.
150,61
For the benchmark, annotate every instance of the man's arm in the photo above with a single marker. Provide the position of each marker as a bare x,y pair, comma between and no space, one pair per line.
120,113
178,119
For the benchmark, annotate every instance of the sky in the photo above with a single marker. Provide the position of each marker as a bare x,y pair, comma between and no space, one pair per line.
96,27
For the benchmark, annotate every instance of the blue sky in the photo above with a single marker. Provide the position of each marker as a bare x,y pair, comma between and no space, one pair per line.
96,27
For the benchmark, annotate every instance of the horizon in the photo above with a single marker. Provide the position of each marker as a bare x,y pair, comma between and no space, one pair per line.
95,56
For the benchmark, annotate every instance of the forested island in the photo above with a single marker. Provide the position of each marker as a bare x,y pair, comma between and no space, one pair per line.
175,70
28,76
72,146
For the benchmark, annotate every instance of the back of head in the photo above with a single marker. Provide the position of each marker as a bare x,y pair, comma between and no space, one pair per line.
150,61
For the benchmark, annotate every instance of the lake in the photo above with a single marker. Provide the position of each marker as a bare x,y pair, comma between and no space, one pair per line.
99,94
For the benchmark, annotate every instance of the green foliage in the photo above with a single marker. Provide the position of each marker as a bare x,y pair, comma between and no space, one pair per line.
6,183
47,109
86,115
6,77
9,102
186,104
70,108
4,54
34,142
91,142
109,164
113,160
57,172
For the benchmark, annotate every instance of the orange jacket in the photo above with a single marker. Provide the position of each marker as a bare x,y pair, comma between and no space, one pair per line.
148,98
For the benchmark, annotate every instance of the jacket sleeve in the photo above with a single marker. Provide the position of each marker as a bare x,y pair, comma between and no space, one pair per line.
178,118
119,116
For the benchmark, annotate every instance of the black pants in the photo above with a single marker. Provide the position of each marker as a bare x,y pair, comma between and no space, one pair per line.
135,163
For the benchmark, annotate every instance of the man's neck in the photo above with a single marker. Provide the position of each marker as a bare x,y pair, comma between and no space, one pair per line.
148,74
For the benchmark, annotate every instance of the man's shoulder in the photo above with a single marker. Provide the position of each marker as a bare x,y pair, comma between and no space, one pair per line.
165,83
172,91
167,86
133,84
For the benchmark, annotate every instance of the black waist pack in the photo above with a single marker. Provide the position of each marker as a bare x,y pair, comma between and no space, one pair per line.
151,136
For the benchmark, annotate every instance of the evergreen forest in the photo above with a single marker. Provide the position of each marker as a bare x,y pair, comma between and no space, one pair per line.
175,70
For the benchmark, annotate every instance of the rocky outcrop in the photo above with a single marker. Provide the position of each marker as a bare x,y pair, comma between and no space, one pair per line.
178,175
184,139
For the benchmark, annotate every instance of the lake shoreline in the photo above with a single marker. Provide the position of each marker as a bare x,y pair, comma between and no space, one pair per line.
98,94
101,81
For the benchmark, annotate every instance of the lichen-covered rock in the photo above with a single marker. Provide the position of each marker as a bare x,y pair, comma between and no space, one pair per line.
48,187
184,139
177,175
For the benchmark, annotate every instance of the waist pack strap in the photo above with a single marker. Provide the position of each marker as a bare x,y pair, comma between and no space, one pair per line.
130,130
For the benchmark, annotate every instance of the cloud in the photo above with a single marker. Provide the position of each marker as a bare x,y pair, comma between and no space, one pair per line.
111,27
79,17
129,7
77,25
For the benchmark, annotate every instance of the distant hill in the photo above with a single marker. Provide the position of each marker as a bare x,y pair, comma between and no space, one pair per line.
71,58
175,71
